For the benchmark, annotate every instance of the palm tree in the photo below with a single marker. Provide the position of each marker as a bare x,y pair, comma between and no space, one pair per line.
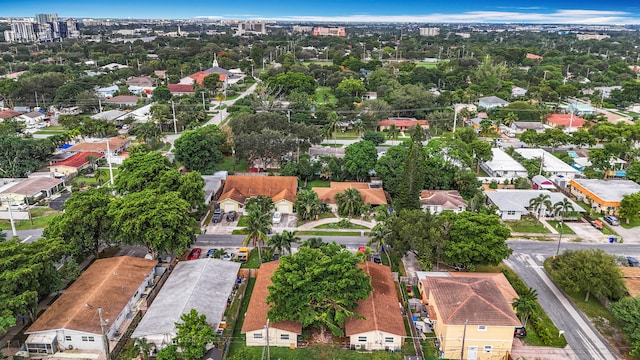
144,348
258,226
510,118
220,97
560,209
100,175
526,305
537,204
282,242
313,242
349,202
332,126
393,132
485,126
307,205
358,126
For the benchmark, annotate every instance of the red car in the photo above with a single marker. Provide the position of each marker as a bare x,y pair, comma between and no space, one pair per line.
195,254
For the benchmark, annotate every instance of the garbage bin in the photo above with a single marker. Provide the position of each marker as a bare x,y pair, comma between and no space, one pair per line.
611,240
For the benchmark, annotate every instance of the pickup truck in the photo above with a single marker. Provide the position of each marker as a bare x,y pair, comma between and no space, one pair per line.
597,224
243,254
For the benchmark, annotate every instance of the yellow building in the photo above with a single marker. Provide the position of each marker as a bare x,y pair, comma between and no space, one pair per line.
604,196
282,333
471,316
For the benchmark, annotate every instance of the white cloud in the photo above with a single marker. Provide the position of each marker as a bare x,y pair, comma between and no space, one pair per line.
557,17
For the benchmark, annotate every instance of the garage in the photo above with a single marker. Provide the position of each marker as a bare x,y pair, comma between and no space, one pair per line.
284,209
229,207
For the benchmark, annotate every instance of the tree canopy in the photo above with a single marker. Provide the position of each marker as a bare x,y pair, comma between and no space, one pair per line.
200,149
318,286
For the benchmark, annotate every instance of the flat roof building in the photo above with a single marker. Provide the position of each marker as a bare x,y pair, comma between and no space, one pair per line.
203,284
604,196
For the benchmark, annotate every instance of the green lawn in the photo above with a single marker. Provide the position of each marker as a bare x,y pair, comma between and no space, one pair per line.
632,223
428,65
528,226
318,183
329,233
41,216
564,229
227,165
324,95
346,135
332,145
254,260
49,132
337,226
243,221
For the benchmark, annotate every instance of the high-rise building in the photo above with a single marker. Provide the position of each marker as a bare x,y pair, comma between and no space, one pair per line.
325,31
251,27
43,28
430,31
46,18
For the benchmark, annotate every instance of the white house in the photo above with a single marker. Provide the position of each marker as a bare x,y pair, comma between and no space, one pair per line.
203,284
503,165
33,118
491,102
110,288
282,333
517,91
107,92
550,164
382,325
513,204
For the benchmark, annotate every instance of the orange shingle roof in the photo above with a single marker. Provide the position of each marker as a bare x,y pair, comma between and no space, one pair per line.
374,196
107,283
241,187
114,144
470,300
256,317
381,310
448,199
180,88
403,123
565,120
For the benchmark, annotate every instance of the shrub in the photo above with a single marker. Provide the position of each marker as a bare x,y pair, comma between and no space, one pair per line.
493,184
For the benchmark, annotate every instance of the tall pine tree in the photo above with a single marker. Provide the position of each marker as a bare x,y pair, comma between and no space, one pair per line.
413,177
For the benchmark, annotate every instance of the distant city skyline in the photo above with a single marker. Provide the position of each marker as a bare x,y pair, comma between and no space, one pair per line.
463,11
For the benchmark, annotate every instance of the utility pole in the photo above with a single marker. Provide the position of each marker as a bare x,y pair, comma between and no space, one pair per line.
13,225
204,108
100,104
37,99
455,118
105,340
464,334
109,162
175,125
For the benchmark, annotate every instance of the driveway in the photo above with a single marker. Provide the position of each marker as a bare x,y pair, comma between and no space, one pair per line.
287,222
630,236
587,232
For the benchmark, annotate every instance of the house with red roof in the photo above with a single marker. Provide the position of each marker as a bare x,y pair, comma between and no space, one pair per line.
73,164
8,114
181,89
569,121
534,57
402,124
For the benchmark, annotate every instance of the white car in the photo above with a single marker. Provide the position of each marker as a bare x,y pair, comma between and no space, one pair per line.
276,218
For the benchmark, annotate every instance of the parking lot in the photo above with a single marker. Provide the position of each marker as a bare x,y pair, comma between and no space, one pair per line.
587,232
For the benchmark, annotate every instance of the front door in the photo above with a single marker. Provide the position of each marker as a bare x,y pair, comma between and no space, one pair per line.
472,353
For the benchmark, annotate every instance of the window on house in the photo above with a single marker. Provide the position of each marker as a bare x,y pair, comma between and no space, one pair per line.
67,338
388,339
482,327
488,348
91,338
257,335
362,338
511,212
284,336
85,338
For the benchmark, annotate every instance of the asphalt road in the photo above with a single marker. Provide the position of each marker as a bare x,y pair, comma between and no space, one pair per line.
230,241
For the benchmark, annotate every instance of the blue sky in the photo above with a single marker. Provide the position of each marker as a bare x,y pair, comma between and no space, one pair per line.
546,11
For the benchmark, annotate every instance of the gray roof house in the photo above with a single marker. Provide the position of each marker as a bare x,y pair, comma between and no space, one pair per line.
521,126
513,204
213,184
503,165
491,102
203,284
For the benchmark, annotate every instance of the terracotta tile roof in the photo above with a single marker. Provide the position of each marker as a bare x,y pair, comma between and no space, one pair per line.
107,283
241,187
180,88
142,81
499,279
534,56
256,316
565,120
77,160
8,114
631,277
471,300
114,143
381,311
32,186
374,196
403,123
448,199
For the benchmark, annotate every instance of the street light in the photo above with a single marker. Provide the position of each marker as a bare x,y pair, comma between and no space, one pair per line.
13,225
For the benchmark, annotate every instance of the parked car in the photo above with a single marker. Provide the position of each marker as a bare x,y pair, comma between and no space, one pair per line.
520,332
243,254
276,217
227,257
19,206
376,258
597,224
232,215
611,220
275,257
210,253
633,261
217,215
194,254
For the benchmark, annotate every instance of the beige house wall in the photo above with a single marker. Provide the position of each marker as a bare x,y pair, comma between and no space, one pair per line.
376,340
277,337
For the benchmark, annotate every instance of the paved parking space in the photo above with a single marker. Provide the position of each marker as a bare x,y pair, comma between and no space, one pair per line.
587,232
288,222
